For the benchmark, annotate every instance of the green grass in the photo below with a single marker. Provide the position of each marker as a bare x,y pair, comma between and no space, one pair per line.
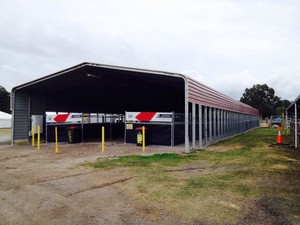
253,138
166,159
218,185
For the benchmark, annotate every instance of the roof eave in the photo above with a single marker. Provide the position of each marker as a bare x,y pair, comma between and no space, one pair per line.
293,103
157,72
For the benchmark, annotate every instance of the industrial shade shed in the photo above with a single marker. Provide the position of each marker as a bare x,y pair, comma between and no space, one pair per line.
88,87
293,115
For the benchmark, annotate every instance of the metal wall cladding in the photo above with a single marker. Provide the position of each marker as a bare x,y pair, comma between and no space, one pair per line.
21,116
201,94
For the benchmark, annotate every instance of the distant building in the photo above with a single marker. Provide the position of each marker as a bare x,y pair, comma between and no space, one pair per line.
5,120
293,115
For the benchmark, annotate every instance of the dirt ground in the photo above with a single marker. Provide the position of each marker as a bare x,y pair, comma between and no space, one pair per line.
41,187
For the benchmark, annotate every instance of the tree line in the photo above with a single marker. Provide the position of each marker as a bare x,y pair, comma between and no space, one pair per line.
263,98
4,100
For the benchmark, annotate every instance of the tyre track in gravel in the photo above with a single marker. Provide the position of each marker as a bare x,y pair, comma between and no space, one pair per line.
38,187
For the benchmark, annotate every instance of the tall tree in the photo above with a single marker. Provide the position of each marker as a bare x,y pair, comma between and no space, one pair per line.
4,100
261,97
282,106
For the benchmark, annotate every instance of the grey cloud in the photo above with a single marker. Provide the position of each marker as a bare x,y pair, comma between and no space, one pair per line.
232,44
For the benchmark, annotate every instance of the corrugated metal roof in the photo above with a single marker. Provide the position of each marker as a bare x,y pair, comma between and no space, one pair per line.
115,82
90,87
291,106
202,94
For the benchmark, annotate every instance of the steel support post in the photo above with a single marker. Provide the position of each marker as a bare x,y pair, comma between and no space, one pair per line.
243,120
186,136
200,126
218,123
186,120
238,123
231,123
235,123
29,118
82,129
239,120
205,124
173,129
222,123
286,118
193,125
296,126
215,122
249,122
210,124
226,123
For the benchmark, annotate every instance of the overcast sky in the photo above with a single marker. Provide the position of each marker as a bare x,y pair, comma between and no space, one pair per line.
228,45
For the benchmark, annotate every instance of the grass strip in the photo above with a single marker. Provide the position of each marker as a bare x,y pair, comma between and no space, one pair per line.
220,186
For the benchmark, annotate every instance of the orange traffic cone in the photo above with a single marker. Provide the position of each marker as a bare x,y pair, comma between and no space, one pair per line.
279,137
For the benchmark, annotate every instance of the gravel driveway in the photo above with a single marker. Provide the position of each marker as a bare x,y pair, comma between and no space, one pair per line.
41,187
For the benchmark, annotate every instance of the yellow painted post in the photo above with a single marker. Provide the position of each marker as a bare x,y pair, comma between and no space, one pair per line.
32,136
143,131
103,139
39,138
56,141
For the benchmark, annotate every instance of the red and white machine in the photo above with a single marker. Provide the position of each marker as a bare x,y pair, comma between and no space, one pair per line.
64,118
159,117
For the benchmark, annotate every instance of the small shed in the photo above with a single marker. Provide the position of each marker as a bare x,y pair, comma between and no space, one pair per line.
293,115
5,120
